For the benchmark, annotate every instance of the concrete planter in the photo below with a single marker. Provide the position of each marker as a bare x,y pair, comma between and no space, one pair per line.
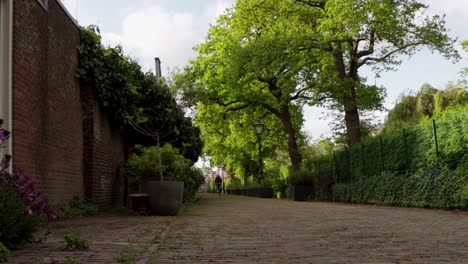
165,197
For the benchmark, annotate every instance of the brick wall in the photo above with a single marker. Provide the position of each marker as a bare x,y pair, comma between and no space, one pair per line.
104,152
49,119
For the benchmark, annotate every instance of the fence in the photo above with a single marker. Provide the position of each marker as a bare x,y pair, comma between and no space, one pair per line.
401,151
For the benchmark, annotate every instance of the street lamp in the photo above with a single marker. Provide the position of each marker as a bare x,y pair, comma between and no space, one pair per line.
258,128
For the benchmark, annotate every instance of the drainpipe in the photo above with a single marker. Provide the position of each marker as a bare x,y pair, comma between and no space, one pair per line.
6,70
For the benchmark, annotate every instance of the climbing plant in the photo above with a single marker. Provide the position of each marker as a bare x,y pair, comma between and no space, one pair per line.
129,96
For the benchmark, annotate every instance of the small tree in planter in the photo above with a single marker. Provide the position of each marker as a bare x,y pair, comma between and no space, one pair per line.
301,185
166,191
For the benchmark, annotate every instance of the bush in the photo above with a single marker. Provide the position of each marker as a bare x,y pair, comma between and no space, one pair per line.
434,187
16,224
75,242
20,204
3,253
77,207
302,177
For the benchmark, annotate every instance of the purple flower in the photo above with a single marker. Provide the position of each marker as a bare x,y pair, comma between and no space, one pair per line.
24,185
4,134
5,163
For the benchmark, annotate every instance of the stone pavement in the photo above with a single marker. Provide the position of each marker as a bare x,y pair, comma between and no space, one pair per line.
235,229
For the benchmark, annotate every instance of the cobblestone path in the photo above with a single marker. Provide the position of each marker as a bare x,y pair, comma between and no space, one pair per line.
235,229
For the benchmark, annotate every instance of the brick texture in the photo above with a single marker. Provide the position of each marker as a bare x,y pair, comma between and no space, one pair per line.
104,151
49,118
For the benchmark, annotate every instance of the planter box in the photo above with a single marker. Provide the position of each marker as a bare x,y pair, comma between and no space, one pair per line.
265,192
252,192
244,192
140,202
300,192
165,197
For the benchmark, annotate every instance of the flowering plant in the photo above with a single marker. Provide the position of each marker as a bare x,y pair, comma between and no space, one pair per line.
24,186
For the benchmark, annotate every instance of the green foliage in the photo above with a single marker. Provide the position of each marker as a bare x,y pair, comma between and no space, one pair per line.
429,101
77,207
351,34
240,76
302,177
144,164
130,96
435,187
399,150
115,76
16,225
380,165
67,260
3,253
75,242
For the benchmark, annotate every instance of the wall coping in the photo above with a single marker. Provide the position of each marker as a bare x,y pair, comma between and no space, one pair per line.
68,14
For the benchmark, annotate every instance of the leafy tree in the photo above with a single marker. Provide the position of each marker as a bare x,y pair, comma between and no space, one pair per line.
230,139
427,102
249,64
129,95
375,33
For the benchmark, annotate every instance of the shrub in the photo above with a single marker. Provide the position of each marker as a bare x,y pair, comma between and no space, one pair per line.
16,224
20,204
77,207
75,242
302,177
436,187
3,253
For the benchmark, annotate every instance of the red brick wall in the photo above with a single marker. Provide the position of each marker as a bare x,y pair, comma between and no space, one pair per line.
48,114
104,152
47,124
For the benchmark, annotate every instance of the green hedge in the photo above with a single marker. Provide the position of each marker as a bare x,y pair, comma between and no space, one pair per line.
400,151
436,187
401,159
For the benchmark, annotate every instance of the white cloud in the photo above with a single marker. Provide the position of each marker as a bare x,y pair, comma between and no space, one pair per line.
156,32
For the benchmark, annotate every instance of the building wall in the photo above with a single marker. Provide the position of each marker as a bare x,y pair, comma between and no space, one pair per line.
49,114
104,152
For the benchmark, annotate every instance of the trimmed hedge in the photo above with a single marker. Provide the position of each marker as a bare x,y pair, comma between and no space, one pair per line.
436,187
402,167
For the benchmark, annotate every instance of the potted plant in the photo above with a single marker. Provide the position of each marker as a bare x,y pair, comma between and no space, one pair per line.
301,186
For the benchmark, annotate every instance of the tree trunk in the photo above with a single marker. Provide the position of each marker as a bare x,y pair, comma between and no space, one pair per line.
353,124
293,150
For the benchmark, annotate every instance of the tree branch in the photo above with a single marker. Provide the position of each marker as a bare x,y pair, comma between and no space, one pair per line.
313,3
370,50
364,61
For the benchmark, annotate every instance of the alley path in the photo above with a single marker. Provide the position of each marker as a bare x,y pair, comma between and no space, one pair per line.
235,229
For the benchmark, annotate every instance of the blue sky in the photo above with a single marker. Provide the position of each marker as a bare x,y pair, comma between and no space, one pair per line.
170,28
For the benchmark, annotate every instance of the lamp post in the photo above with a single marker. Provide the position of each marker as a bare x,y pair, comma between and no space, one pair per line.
258,128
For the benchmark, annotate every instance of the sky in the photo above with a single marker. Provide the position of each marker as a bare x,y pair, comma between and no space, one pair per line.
169,29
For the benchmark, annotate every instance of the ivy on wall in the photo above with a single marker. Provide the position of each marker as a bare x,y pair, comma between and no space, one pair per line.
129,95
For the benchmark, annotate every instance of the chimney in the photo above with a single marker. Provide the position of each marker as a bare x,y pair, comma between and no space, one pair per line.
158,68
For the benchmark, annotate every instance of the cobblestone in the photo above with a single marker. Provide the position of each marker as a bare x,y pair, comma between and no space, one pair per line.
235,229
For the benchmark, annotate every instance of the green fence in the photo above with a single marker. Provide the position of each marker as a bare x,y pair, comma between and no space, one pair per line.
443,140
